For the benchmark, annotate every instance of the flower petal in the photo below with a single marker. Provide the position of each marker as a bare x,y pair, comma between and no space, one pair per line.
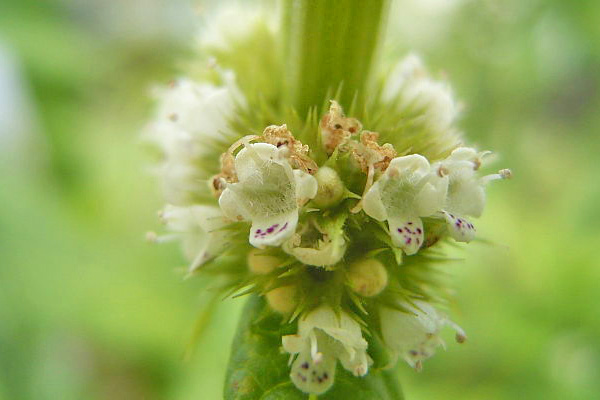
313,377
372,204
306,186
357,365
293,344
466,195
414,335
432,196
411,164
274,230
460,228
232,205
253,157
407,233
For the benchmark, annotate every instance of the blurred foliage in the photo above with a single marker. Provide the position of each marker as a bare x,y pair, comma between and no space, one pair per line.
89,310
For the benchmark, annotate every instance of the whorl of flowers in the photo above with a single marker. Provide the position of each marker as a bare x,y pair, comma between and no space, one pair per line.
339,219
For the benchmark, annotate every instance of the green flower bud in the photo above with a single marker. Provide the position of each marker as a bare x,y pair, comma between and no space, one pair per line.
331,188
260,263
283,299
367,277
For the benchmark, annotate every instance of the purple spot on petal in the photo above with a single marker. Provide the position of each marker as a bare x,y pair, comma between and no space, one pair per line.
408,240
419,231
410,223
400,230
283,227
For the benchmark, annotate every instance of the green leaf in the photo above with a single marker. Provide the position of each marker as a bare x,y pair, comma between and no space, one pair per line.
258,370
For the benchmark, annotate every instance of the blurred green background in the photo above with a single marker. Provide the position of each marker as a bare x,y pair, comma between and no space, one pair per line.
89,310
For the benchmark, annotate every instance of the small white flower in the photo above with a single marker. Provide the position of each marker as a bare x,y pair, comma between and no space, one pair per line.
322,338
323,252
404,193
200,230
190,119
466,190
269,193
414,336
410,80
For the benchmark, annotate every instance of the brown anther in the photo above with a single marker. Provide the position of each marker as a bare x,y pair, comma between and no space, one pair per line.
227,174
442,171
393,172
505,173
460,338
173,117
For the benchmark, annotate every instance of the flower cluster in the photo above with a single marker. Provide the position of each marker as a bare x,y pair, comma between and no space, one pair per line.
336,220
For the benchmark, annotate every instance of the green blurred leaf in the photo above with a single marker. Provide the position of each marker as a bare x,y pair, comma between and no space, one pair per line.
258,369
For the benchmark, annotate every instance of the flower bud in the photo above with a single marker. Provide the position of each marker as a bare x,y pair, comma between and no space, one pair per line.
368,277
260,263
331,189
282,299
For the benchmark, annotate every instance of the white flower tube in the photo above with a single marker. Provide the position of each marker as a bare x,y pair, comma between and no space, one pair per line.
199,228
322,338
268,194
466,190
414,336
404,193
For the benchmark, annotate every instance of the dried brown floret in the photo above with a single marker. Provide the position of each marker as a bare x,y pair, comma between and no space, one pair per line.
298,153
336,128
368,152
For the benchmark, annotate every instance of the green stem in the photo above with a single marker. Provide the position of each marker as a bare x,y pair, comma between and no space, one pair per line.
329,43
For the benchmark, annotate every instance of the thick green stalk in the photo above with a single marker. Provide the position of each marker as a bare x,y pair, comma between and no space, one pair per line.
330,43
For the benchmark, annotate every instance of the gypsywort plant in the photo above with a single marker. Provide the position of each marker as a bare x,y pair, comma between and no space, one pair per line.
323,184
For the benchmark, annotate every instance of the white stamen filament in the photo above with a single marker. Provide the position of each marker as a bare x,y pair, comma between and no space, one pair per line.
502,174
314,351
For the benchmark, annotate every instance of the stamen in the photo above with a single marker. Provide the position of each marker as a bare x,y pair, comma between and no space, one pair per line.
502,174
163,238
314,351
370,175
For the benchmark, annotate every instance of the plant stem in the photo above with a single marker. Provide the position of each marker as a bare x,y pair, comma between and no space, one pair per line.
329,43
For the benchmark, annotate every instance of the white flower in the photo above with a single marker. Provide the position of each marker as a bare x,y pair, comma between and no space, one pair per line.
191,117
410,81
466,190
414,336
322,338
268,193
325,251
199,229
404,193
